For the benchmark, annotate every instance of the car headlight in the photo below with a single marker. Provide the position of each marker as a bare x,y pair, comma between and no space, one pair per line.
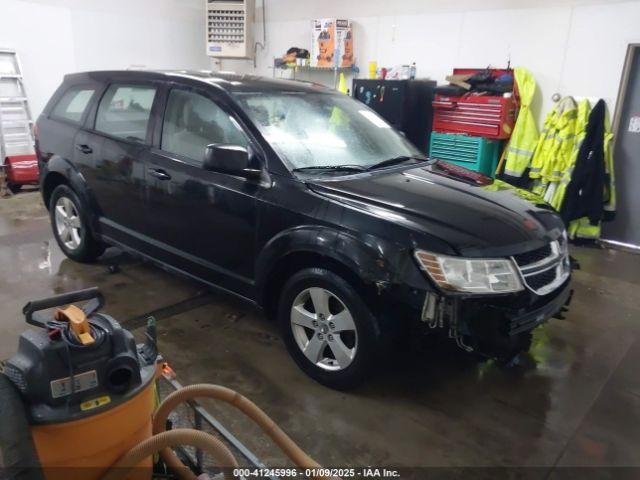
472,275
563,242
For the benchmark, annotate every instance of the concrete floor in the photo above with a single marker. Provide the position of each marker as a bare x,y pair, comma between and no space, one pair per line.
575,403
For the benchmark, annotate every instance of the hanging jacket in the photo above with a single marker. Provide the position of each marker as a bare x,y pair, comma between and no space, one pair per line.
542,152
584,109
544,143
563,141
582,228
585,193
556,141
524,137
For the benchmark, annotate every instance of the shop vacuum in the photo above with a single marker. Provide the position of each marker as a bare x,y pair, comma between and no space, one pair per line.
79,400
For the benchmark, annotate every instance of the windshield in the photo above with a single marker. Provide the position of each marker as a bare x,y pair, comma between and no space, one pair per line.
325,130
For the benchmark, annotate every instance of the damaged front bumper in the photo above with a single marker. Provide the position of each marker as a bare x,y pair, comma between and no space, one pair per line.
490,325
524,321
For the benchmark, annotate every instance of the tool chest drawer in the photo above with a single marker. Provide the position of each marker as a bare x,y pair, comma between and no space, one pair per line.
487,116
474,153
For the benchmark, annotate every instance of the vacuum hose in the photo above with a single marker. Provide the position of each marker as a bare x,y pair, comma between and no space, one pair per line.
246,406
162,440
173,438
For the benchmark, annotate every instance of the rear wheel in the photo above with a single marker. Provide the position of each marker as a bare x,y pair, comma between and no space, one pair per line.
15,188
328,329
71,227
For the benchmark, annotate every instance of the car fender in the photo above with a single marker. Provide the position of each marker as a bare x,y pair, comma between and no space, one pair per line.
363,255
75,179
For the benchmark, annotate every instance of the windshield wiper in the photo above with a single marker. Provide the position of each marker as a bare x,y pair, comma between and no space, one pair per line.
334,168
394,161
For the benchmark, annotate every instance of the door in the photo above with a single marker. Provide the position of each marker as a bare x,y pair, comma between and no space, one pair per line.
117,142
61,131
626,226
201,221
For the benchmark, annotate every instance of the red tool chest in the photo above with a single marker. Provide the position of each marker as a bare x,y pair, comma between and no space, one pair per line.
487,116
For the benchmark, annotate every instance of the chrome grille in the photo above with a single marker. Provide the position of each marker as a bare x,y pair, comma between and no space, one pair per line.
527,258
544,269
539,280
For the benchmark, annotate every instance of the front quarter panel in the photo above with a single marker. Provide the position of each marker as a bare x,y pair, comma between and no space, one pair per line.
296,219
364,260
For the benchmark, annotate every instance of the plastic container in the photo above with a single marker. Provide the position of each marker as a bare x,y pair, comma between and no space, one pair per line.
373,69
475,153
91,445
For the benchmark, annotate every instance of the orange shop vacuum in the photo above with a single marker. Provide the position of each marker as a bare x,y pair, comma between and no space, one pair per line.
79,401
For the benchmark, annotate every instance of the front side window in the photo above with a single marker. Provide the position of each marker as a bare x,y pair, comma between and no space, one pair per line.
318,130
192,121
73,103
124,111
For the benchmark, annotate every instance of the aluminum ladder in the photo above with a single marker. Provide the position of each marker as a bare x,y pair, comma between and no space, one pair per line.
16,122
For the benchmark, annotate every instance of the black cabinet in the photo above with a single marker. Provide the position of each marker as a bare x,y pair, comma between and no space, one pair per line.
405,104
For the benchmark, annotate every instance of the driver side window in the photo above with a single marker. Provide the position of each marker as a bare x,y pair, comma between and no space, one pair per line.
192,121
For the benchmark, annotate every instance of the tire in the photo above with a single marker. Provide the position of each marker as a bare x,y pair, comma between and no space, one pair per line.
344,359
14,187
80,244
18,457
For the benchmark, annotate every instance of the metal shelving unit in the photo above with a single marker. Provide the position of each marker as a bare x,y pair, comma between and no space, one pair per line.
295,69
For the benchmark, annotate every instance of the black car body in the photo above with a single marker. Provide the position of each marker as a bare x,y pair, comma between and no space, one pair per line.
244,219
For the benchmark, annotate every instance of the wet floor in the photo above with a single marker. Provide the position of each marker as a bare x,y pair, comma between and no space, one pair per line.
573,402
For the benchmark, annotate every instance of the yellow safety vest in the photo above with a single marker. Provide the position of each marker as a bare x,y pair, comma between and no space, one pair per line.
524,137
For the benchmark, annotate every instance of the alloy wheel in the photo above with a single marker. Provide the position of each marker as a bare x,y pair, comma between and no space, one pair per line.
68,224
323,329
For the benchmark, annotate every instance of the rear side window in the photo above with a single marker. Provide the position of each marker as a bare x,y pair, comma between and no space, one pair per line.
124,111
73,103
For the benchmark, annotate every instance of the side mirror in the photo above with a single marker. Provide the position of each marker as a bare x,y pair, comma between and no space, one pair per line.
231,159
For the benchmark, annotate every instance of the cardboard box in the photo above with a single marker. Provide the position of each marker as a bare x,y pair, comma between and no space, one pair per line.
331,43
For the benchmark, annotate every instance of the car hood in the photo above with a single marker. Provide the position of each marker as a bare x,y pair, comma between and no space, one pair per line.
474,215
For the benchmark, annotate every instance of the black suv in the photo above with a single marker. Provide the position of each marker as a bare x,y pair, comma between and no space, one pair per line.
304,202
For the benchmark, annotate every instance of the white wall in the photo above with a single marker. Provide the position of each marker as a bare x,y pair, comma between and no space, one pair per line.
55,37
573,47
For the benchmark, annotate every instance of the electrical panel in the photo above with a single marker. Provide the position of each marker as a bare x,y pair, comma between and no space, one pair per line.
230,28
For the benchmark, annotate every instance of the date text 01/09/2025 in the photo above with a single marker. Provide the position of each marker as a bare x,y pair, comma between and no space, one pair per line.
362,472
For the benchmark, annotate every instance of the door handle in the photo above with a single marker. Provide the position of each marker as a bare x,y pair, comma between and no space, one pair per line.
84,148
159,173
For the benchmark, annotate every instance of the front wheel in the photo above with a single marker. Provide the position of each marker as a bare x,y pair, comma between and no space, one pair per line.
328,329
